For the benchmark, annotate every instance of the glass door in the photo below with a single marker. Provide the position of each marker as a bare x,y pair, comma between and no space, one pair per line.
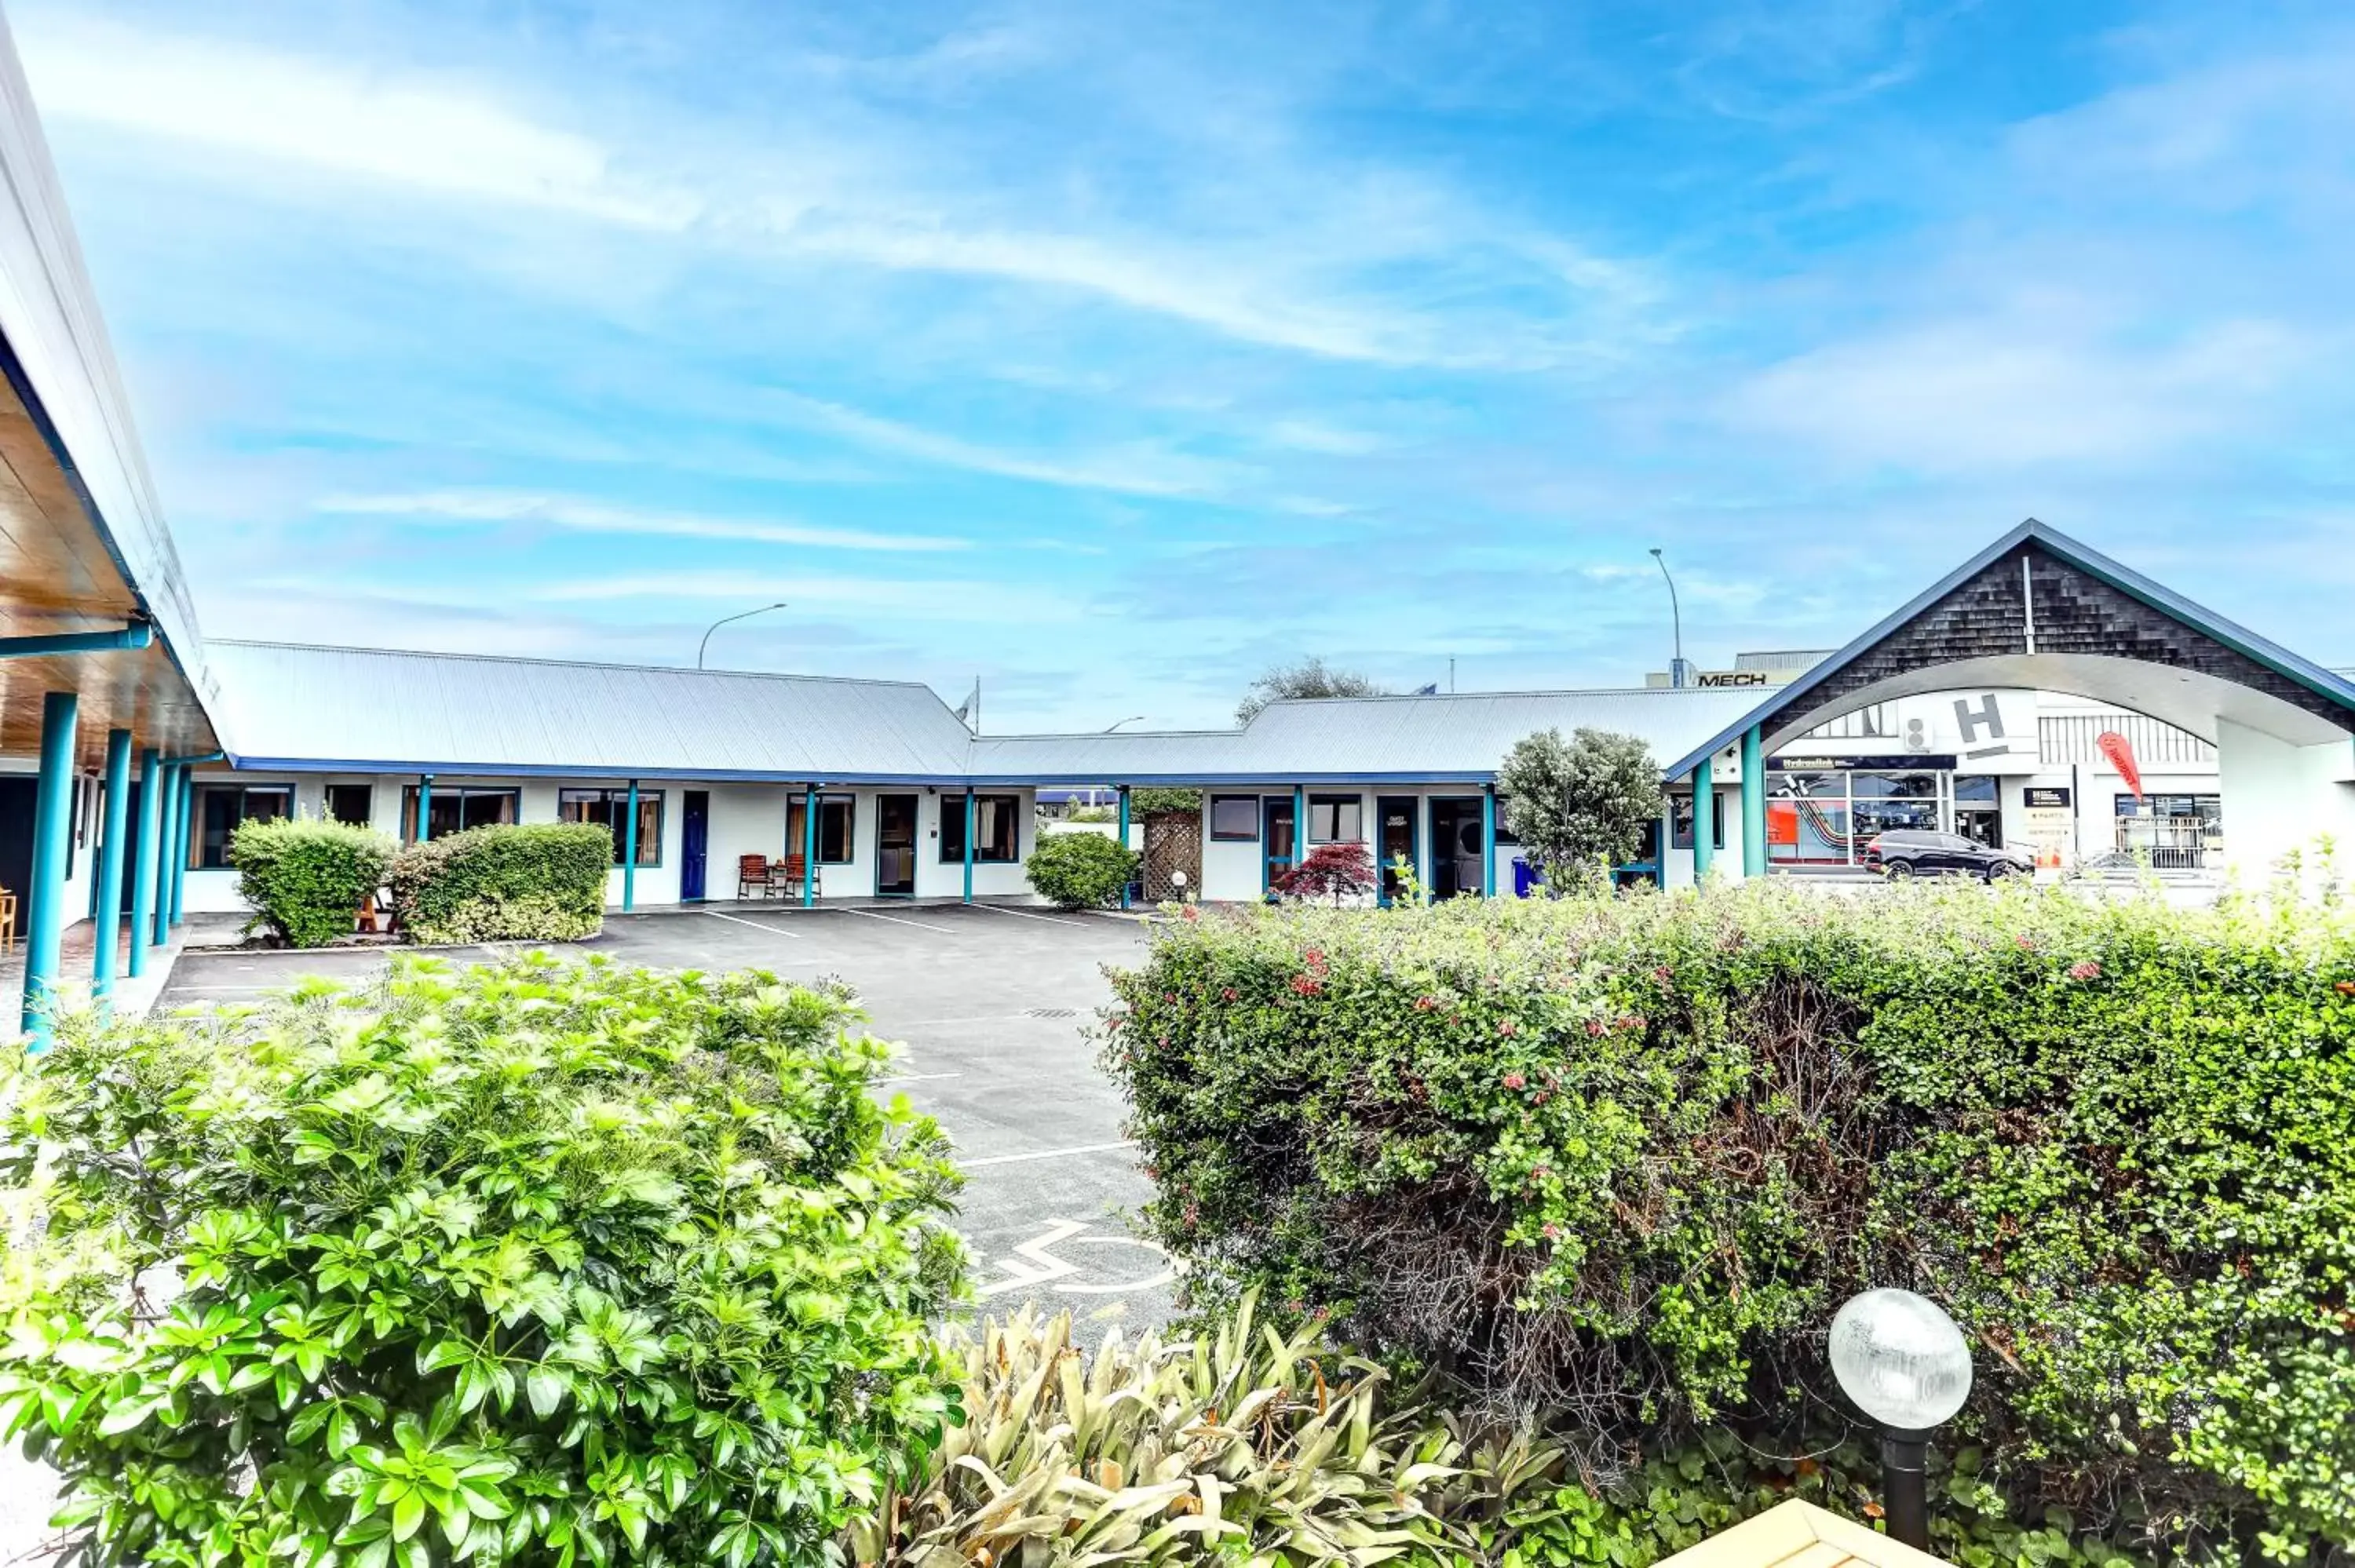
1456,843
895,846
1395,815
1276,838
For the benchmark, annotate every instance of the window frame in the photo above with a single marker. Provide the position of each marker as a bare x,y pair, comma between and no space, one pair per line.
797,835
197,813
463,792
1681,835
1210,818
617,801
367,819
1338,803
952,815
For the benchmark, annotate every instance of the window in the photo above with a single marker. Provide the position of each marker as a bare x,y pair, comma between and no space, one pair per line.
353,804
1335,819
1682,806
836,817
1234,818
2207,808
221,807
999,818
610,809
455,809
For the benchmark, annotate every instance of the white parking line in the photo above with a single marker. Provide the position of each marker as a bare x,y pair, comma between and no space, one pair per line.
756,924
919,1078
903,920
1045,1154
1025,914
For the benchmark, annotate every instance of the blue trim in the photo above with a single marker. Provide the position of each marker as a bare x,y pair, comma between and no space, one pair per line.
2061,547
138,634
1241,781
52,831
106,922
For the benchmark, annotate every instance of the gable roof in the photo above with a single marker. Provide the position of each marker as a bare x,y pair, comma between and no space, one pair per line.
2308,684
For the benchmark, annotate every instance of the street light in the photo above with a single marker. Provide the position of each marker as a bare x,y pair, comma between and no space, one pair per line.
1907,1366
1677,620
724,621
1133,718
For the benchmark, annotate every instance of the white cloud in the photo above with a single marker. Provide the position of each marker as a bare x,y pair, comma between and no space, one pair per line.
2010,393
464,507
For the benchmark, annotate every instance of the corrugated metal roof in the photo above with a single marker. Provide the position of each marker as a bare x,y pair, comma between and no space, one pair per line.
291,705
1458,737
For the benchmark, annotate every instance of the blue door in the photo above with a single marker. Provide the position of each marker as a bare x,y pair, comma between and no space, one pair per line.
694,835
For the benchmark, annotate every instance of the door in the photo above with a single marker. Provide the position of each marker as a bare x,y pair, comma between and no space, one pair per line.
1455,848
1395,817
895,846
1275,837
695,837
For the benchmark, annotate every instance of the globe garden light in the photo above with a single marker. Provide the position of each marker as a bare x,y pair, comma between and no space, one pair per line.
1907,1366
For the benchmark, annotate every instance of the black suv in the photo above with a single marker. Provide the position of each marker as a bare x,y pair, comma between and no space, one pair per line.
1901,852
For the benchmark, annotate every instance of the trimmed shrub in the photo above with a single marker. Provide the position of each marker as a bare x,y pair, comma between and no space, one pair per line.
540,881
538,1265
305,879
1081,870
1338,870
1626,1156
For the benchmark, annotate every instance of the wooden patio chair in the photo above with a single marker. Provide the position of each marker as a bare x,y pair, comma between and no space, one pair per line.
7,921
754,870
794,872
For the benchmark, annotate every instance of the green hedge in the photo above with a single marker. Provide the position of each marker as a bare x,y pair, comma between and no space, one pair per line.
1081,869
551,1263
307,880
543,882
1626,1156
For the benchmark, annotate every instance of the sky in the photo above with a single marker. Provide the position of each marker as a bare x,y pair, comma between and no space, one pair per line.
1110,354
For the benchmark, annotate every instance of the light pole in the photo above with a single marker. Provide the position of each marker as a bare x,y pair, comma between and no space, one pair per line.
1906,1365
1133,718
723,621
1677,620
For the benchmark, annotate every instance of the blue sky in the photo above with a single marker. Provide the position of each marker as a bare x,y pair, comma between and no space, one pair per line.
1110,353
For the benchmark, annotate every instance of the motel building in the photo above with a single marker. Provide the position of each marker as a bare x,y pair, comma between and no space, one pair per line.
131,745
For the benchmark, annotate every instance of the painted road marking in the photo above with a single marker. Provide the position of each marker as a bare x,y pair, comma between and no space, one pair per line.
756,924
919,1078
1025,914
903,920
1035,1263
1047,1154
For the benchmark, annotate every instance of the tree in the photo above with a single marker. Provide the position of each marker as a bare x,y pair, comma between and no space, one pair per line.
1312,677
1340,869
1579,804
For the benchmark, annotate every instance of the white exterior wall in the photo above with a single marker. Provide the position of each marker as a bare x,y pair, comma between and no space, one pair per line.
2279,797
745,818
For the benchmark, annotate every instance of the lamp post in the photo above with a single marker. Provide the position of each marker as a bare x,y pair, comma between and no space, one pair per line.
1905,1364
1676,619
743,615
1133,718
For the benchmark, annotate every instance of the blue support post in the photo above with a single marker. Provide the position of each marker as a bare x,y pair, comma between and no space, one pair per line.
108,921
167,806
630,853
188,791
1753,802
1704,785
1423,849
422,829
970,820
142,870
1299,823
809,846
1488,841
1124,840
52,821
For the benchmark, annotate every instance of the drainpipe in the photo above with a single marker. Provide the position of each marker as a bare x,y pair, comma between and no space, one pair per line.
52,824
142,870
630,853
809,846
108,919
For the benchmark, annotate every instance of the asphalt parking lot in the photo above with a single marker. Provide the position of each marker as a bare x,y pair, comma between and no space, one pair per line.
989,1001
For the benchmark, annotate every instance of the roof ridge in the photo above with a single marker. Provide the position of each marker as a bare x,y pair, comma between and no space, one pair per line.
560,663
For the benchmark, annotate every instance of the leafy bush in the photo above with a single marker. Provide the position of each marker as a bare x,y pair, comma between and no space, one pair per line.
1151,800
1081,870
535,1264
305,879
1580,805
540,881
1626,1156
1344,870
